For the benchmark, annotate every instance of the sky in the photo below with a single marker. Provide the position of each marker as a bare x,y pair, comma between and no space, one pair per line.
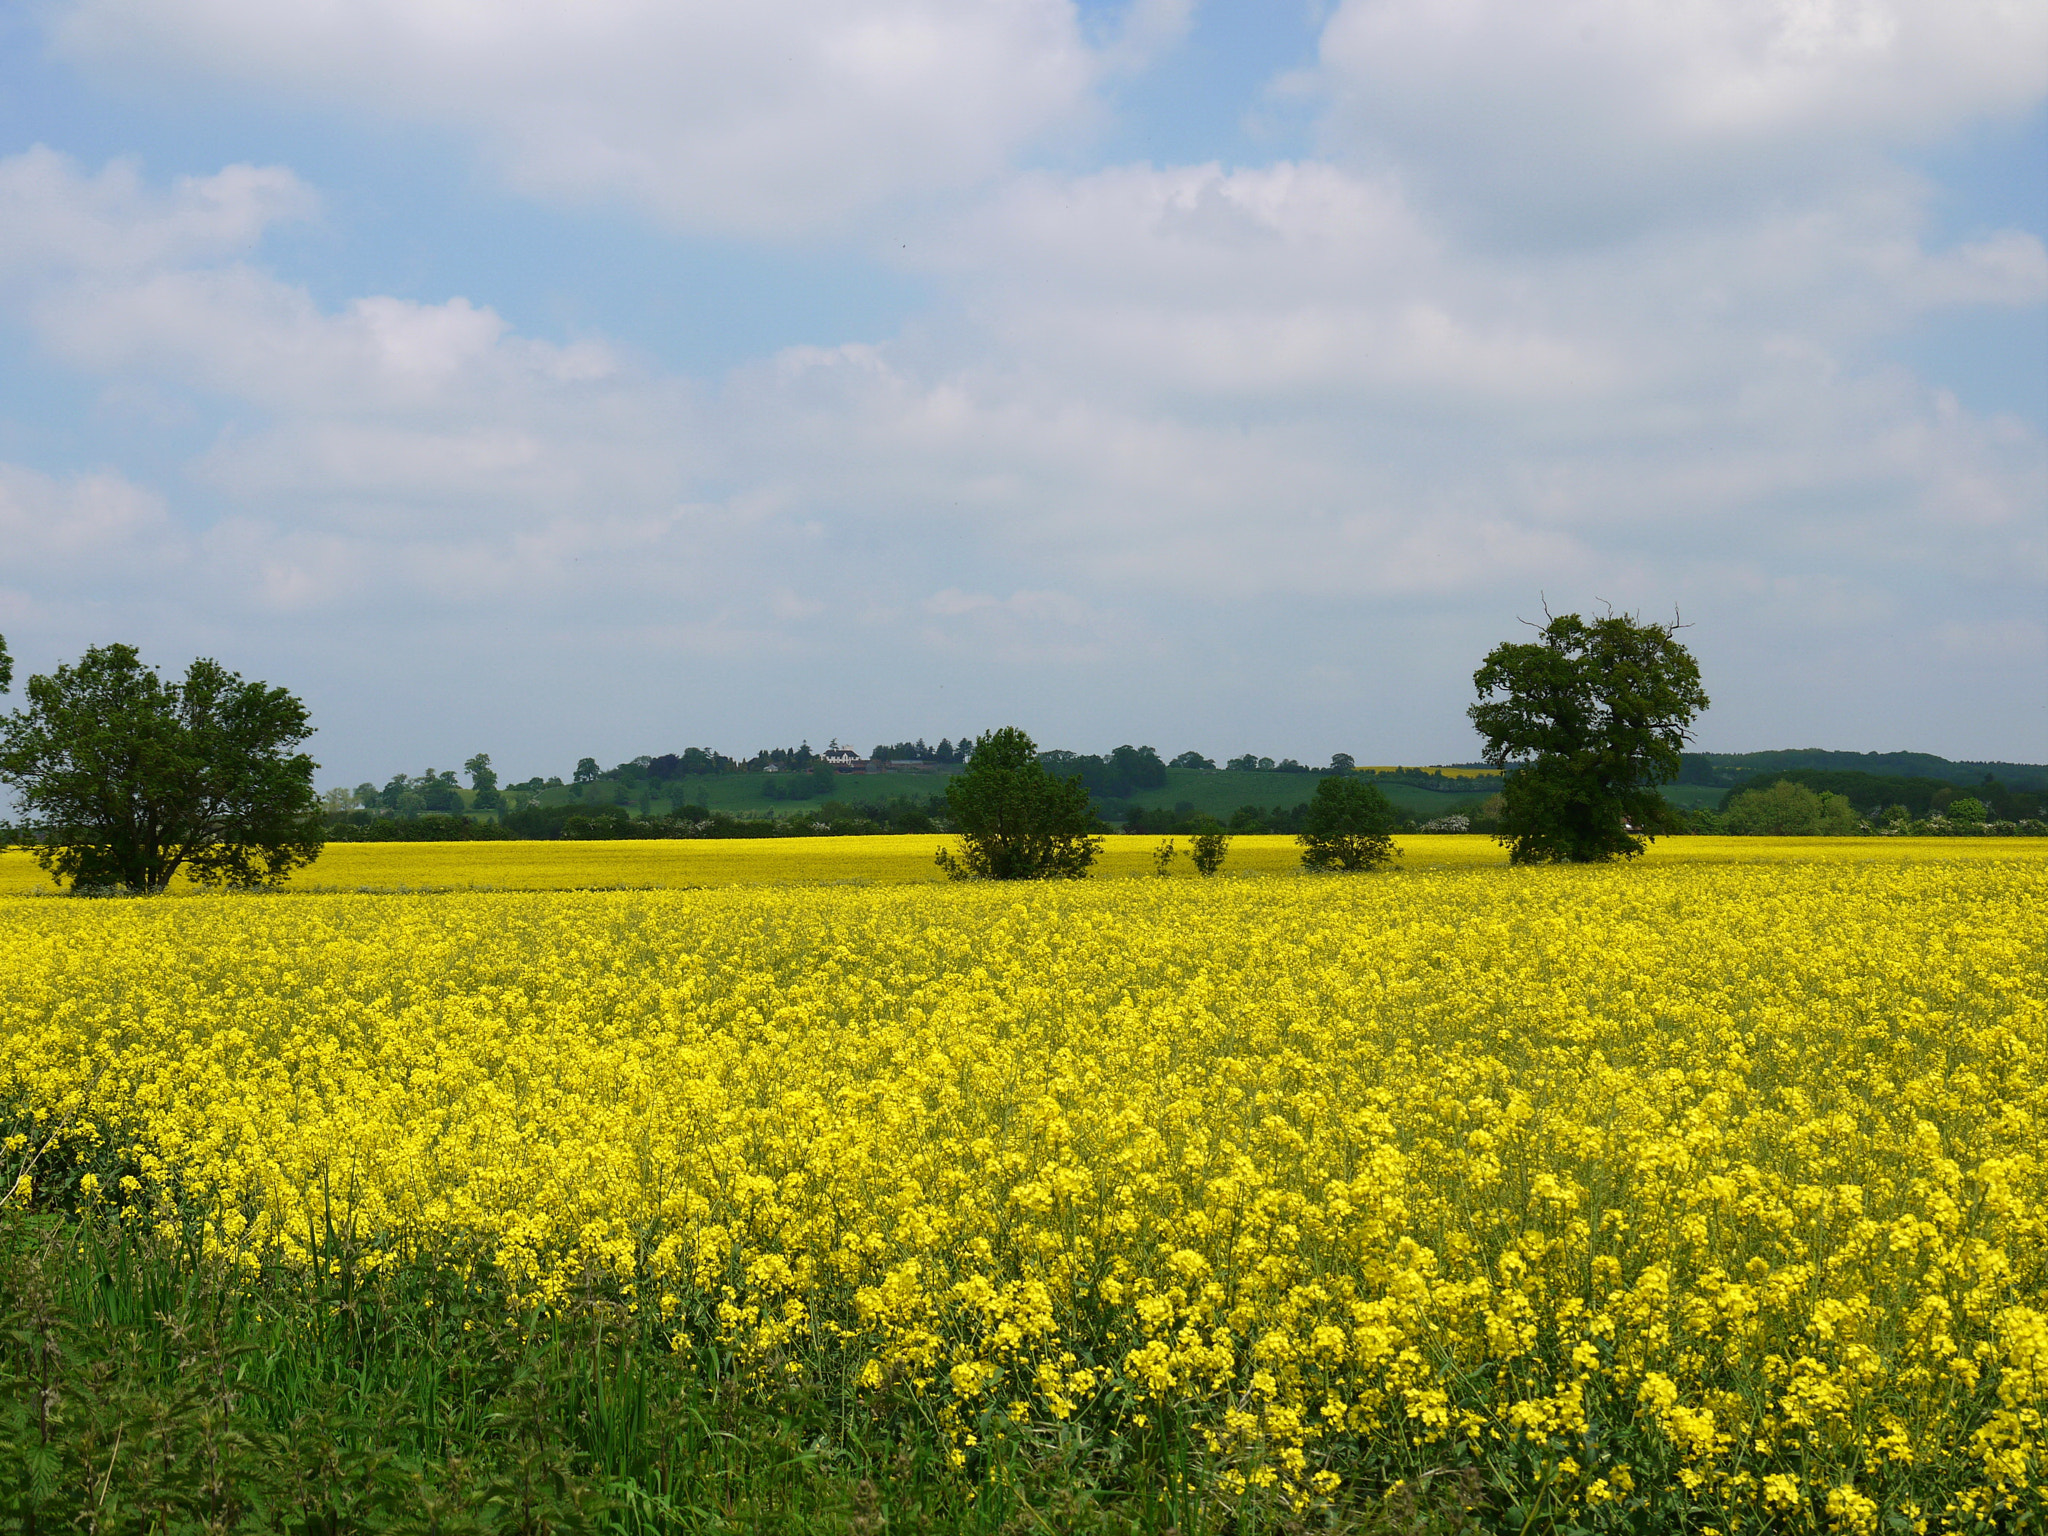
558,380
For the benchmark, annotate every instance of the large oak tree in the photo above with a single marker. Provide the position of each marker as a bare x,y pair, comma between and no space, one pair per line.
124,778
1589,718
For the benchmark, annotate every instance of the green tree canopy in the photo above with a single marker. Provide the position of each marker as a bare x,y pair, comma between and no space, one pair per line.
483,779
6,666
1016,821
1787,809
1212,844
126,778
1349,825
1590,718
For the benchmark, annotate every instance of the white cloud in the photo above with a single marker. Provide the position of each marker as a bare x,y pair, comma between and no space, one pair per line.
1327,294
53,219
1162,409
771,117
1027,628
94,525
1570,117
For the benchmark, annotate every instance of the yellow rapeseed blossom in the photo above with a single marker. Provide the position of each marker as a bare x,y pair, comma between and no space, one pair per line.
1722,1172
658,864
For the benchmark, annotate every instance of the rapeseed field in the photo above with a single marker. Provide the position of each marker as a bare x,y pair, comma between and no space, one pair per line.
900,860
1706,1192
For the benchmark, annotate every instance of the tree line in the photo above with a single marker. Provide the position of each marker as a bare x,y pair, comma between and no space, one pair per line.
1833,803
127,777
797,774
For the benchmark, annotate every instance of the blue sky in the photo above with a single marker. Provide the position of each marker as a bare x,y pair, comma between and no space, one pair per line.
603,379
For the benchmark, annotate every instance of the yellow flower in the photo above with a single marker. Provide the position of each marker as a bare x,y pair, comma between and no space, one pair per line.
1736,1149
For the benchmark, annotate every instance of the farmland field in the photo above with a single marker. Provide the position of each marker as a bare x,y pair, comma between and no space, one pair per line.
1704,1192
896,860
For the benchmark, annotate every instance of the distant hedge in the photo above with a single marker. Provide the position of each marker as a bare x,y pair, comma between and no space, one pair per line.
579,823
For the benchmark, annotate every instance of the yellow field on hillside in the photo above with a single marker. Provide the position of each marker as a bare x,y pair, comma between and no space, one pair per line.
1449,773
545,866
1719,1176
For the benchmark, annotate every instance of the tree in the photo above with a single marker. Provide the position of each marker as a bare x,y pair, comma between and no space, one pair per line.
1590,719
1016,821
586,770
1342,762
127,778
1193,760
483,778
6,666
438,792
1212,845
1786,809
1349,826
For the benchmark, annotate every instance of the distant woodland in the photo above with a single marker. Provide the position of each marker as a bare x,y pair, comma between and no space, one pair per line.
900,787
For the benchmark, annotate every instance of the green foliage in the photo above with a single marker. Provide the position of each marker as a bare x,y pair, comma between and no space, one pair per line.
355,827
1967,808
820,780
1212,846
6,666
1817,769
145,1387
483,781
127,778
1786,809
1869,791
1349,826
1126,771
1017,821
1592,717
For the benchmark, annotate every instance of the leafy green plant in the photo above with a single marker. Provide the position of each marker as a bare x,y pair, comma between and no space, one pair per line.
147,1387
1017,821
1349,826
126,778
1591,717
1211,847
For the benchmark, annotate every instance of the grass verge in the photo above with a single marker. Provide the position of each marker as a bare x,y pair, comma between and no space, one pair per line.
144,1389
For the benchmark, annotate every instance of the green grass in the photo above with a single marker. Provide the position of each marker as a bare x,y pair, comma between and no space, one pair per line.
143,1389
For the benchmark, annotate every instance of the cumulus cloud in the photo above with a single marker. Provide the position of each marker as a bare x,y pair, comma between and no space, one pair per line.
1582,116
54,219
1325,287
94,525
1173,422
773,117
